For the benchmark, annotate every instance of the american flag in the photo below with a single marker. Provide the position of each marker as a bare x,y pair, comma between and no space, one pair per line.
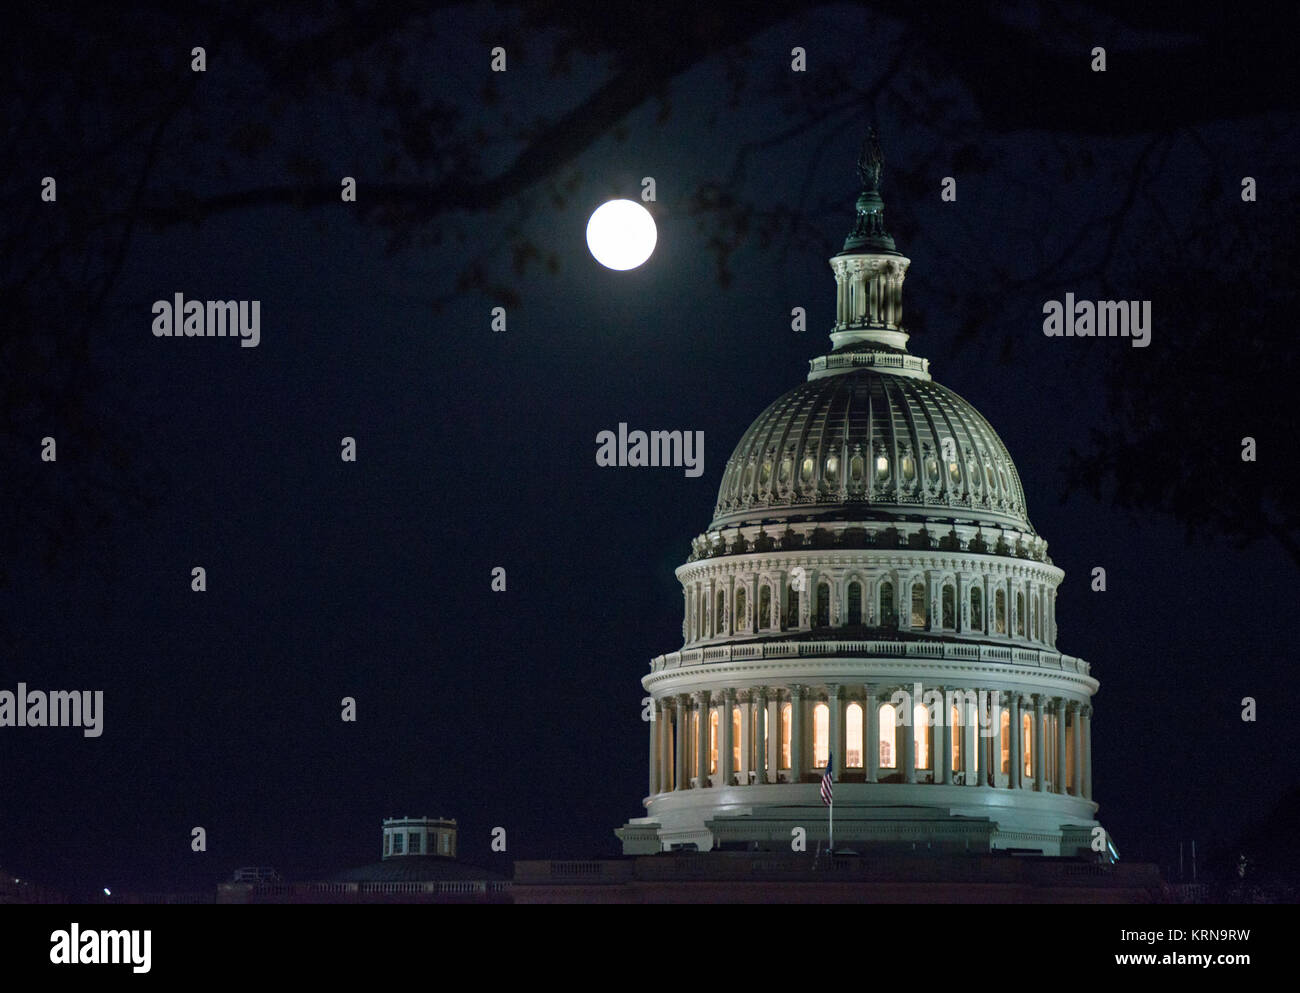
826,784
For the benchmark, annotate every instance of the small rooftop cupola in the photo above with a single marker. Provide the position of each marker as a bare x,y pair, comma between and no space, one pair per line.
869,271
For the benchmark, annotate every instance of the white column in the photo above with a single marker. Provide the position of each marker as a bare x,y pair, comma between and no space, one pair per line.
1017,752
725,743
943,758
654,747
971,753
683,741
1039,718
760,723
1060,746
872,743
796,734
702,738
836,729
1076,783
1087,751
746,735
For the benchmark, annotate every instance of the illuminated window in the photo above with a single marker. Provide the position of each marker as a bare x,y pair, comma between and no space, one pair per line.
958,738
740,608
693,744
921,732
932,469
833,469
1027,736
765,473
976,608
765,606
853,736
1020,614
909,469
887,615
949,601
918,605
1005,729
855,603
823,604
1000,612
806,470
882,467
821,735
785,735
713,741
954,472
735,739
857,467
399,842
888,737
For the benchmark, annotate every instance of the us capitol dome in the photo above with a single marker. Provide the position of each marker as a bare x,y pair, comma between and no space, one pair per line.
870,593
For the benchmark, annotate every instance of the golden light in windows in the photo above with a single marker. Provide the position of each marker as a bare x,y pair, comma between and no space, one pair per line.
785,735
1004,729
921,735
888,736
821,735
853,736
1027,736
806,470
735,738
787,466
713,740
909,469
882,467
765,473
833,469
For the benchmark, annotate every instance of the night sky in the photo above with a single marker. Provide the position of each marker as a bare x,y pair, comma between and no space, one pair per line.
476,449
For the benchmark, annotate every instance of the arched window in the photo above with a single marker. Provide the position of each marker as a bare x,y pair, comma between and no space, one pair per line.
856,469
921,731
740,609
720,614
888,737
976,608
918,605
855,603
1000,612
792,613
765,474
1020,613
887,615
832,473
785,735
1027,740
1005,736
853,736
821,735
783,475
713,741
765,606
882,468
735,740
806,470
909,469
823,605
949,608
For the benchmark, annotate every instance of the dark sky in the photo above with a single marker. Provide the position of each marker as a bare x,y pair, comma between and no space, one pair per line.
521,709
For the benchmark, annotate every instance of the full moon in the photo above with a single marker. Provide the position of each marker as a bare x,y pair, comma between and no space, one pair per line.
621,234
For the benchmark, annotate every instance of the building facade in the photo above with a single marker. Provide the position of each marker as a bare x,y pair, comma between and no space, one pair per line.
870,593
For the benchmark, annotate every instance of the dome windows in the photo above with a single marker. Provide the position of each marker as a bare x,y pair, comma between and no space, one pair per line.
909,469
954,472
988,475
787,467
832,469
806,470
765,474
749,478
882,467
931,469
856,469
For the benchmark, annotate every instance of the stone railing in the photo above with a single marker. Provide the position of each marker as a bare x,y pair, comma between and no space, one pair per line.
870,649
